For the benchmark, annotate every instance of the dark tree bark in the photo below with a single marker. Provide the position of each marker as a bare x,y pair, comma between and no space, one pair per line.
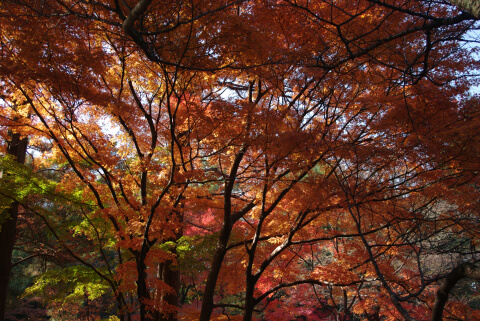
17,147
170,274
465,270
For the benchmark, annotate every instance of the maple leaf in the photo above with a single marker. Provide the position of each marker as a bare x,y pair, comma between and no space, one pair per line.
238,156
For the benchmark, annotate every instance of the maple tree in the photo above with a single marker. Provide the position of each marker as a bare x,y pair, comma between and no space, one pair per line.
245,159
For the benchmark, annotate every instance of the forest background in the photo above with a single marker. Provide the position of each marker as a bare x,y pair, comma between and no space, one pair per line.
239,160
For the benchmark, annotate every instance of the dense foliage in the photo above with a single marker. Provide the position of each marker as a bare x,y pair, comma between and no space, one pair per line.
244,160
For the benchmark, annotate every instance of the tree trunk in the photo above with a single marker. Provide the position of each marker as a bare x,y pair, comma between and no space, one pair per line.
209,292
465,270
170,274
17,147
142,290
249,298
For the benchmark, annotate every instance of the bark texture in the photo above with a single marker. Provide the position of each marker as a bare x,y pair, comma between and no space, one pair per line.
17,147
465,270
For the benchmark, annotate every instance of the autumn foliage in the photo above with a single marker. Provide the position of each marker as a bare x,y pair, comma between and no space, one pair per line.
244,160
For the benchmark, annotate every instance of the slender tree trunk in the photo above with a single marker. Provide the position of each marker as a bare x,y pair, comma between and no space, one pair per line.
221,249
17,147
142,290
122,307
207,303
249,300
170,274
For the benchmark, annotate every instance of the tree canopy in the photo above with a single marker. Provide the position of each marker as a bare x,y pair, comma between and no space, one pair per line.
240,160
